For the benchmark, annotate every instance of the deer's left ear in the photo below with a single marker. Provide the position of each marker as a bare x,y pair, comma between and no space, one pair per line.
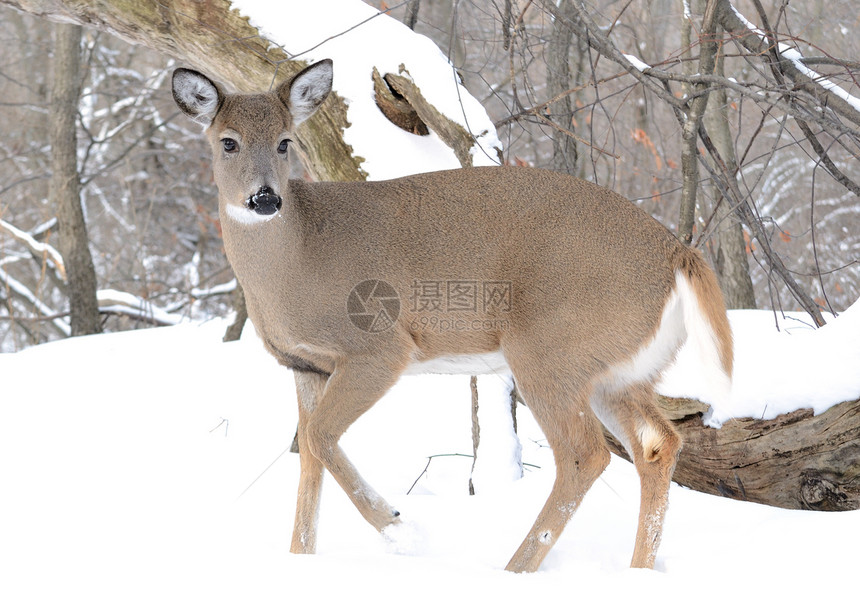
196,95
305,92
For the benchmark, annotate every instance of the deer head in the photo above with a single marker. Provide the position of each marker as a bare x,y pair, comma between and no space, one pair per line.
250,136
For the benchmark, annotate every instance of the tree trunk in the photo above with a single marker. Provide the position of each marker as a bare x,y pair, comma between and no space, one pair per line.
476,430
564,152
411,16
65,182
695,110
454,47
732,266
731,258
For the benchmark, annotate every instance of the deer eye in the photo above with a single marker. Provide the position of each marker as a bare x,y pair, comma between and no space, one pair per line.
282,146
229,145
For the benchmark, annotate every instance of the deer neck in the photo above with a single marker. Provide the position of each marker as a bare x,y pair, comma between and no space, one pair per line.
260,249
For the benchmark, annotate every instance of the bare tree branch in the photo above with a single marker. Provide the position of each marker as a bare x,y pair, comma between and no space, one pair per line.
38,249
695,110
764,44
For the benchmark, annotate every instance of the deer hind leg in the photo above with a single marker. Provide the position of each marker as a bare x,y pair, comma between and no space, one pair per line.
631,414
352,389
581,455
309,388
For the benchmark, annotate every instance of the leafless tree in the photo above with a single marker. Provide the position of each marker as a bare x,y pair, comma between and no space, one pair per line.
65,181
144,184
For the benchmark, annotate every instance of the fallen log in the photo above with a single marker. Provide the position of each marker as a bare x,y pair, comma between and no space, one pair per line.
795,461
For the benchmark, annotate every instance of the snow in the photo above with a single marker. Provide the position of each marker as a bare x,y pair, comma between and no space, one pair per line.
779,370
499,458
117,301
145,471
35,246
382,42
750,25
797,59
637,63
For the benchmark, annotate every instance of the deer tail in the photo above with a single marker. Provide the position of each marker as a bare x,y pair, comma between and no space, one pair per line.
707,325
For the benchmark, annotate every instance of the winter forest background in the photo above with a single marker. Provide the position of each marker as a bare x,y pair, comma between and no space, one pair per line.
150,203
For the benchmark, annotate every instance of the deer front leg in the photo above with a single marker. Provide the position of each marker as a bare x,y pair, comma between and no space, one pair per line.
354,387
309,389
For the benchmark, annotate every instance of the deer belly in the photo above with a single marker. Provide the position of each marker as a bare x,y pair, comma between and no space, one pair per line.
461,364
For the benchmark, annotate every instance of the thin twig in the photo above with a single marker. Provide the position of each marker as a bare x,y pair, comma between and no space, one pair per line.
262,473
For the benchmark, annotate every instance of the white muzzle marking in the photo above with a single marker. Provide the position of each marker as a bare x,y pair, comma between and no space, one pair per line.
243,215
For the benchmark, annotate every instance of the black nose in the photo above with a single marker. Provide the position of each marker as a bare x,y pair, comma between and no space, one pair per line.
264,202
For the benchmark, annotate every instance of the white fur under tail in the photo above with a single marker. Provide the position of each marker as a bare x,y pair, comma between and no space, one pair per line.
703,341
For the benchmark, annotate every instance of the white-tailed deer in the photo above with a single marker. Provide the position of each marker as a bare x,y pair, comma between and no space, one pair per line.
583,296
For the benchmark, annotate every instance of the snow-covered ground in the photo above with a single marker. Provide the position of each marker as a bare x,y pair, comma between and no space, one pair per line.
145,472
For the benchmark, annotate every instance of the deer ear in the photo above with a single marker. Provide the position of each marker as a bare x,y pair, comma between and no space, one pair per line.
196,95
305,92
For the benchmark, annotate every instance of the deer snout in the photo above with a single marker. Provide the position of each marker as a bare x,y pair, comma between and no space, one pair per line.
264,202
